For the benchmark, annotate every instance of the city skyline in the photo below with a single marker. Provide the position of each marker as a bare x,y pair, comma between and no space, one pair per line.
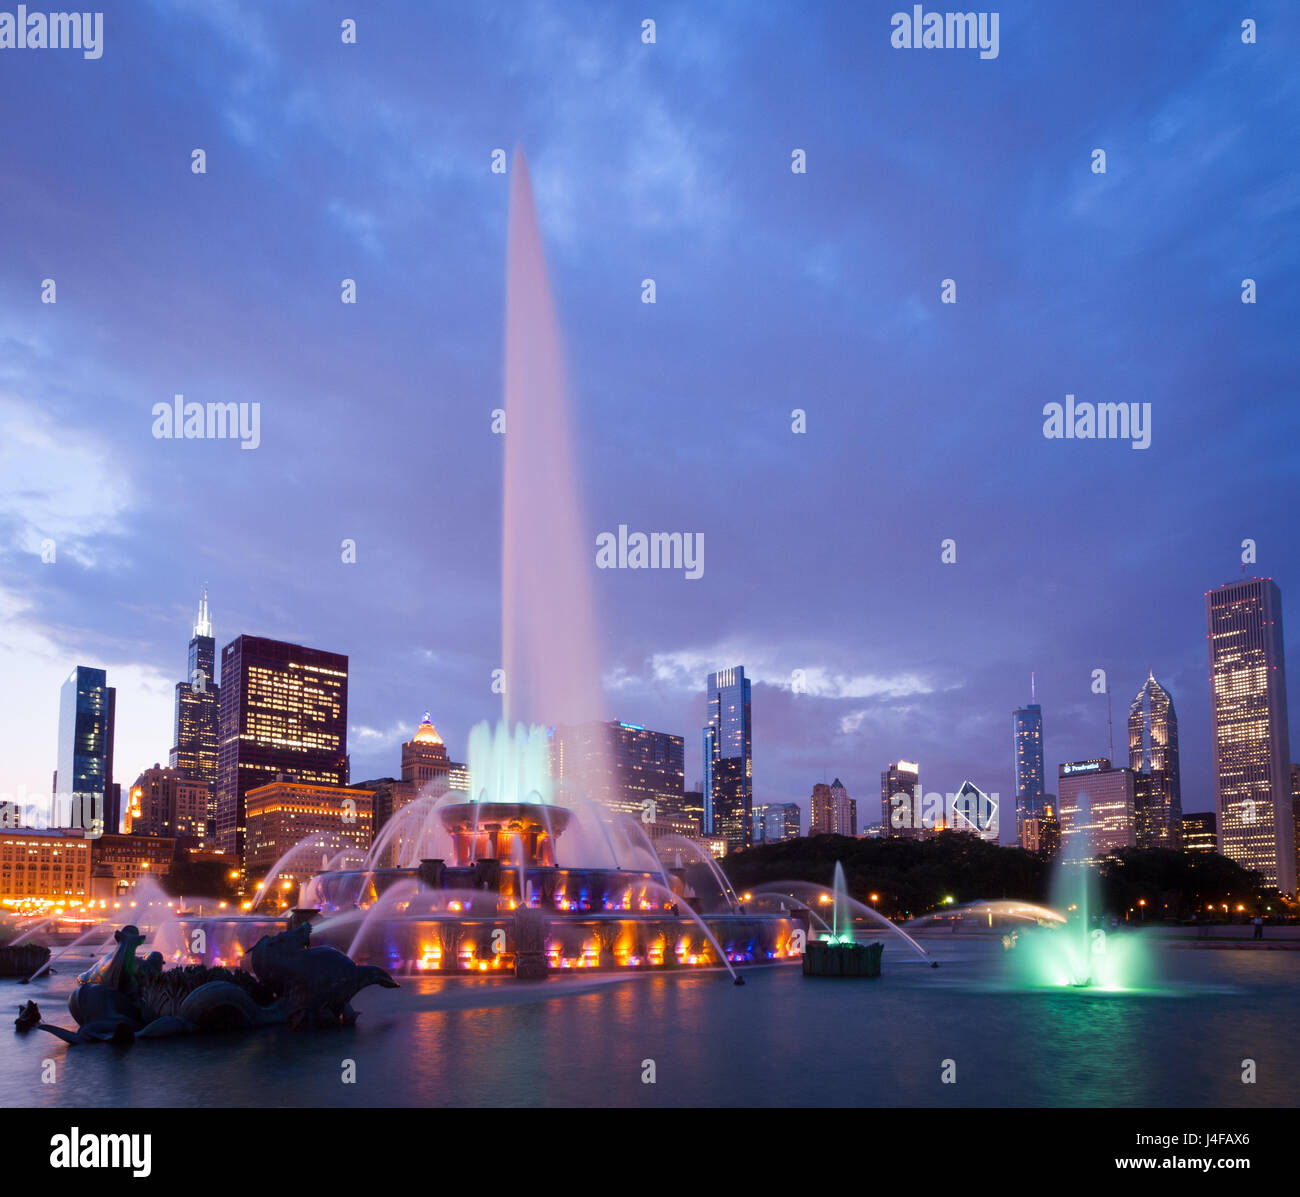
842,265
1138,725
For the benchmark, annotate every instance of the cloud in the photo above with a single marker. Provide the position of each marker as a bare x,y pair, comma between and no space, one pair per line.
686,669
56,484
36,654
358,224
363,738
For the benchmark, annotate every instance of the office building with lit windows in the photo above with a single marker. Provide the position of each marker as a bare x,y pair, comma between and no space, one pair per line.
1031,780
1042,835
1153,757
284,813
85,795
1199,833
1295,808
627,767
900,801
831,810
197,718
775,822
693,810
1252,751
729,759
162,802
44,866
821,810
284,712
119,862
1096,809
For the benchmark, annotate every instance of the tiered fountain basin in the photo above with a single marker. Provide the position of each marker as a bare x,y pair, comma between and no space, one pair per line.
588,919
500,904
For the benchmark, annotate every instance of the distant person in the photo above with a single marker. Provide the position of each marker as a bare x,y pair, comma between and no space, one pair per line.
1258,920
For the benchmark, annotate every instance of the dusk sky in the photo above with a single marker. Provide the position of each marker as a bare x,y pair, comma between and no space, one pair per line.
775,291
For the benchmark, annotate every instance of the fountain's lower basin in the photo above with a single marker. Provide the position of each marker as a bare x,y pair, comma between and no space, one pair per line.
557,919
409,944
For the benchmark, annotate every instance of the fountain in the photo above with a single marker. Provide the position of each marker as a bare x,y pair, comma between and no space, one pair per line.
487,884
522,875
838,953
814,899
1071,949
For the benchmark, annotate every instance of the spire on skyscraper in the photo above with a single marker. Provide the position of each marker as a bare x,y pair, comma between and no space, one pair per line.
203,625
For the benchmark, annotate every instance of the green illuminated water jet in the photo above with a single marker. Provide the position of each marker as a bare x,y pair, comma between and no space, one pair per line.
1078,954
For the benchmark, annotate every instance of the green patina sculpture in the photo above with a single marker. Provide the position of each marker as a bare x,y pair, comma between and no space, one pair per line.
121,998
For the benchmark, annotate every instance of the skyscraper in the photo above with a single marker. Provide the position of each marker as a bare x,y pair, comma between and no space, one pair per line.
1097,809
821,810
426,770
425,765
194,752
1199,834
832,811
728,759
1027,735
775,822
1042,834
84,793
284,711
1153,757
625,766
900,801
281,814
846,810
1252,754
162,802
973,812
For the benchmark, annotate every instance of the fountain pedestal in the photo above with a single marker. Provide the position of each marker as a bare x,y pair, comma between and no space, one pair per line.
822,959
530,945
430,873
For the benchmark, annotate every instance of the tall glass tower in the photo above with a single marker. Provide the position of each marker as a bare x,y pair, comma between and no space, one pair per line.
1153,755
1252,777
1027,736
84,794
728,759
194,755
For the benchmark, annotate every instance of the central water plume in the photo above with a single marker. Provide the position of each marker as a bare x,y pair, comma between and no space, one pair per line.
509,768
552,668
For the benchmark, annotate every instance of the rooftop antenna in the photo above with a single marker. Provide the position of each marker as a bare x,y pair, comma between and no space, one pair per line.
1110,728
1033,686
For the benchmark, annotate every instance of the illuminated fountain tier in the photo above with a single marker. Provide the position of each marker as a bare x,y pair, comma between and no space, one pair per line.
504,830
525,880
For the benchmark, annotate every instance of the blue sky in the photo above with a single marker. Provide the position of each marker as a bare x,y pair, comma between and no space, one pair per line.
775,291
